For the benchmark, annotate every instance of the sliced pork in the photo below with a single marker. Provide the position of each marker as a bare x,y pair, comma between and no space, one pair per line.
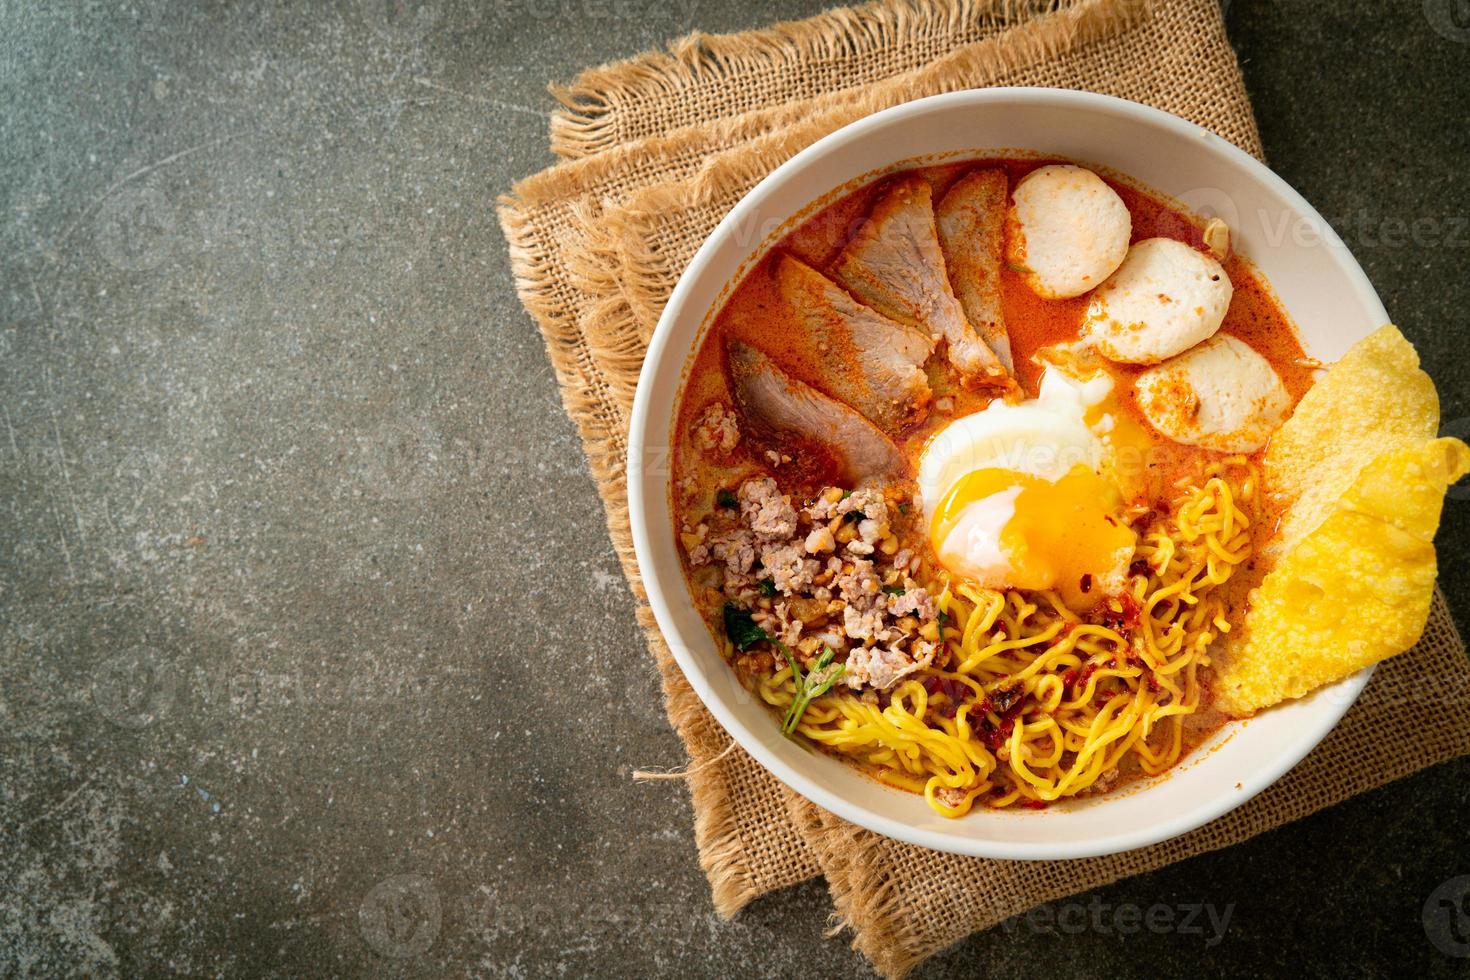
771,399
971,220
894,264
868,361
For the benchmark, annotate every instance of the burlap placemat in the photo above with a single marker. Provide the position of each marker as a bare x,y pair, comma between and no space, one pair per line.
658,148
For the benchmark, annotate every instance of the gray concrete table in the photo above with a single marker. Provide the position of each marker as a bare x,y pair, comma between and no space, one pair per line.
316,659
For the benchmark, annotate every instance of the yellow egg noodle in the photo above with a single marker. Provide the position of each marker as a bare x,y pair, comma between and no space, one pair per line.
1092,695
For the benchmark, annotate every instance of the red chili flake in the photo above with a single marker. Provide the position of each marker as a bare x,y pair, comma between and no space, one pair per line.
1086,584
1153,682
1031,804
1078,677
936,685
959,693
995,736
1005,700
1138,567
1132,611
1124,619
954,693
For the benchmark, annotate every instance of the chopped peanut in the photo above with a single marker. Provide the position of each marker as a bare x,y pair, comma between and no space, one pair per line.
820,541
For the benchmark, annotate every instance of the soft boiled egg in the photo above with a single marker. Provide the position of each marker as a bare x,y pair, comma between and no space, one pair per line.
1028,495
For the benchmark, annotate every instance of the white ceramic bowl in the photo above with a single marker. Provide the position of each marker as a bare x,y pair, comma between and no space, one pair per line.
1317,280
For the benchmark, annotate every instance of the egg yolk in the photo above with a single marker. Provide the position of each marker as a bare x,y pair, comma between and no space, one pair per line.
1129,446
1063,535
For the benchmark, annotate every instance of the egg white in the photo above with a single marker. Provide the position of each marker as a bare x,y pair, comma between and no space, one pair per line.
1042,437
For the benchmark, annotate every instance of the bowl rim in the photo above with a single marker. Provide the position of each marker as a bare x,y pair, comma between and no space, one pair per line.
1210,808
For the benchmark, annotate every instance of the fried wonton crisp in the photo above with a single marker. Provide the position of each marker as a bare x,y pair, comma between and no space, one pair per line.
1354,590
1372,401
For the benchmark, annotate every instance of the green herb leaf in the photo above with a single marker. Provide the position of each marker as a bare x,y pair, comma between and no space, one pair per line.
853,516
833,676
811,687
740,627
904,508
894,589
791,662
788,722
725,498
943,618
767,587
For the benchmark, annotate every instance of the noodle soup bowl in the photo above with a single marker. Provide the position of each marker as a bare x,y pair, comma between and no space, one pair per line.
1316,280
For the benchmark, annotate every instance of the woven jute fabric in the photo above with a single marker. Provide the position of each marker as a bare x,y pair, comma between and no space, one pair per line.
656,150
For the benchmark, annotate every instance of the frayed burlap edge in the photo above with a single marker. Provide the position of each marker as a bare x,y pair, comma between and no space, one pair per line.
597,105
721,848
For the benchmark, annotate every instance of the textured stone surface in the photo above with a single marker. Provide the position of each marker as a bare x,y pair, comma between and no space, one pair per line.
314,657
